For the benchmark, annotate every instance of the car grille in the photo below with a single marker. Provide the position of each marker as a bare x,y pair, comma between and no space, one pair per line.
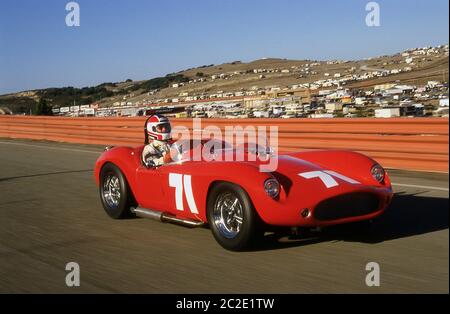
347,205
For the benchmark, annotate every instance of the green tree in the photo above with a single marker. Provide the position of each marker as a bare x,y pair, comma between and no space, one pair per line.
42,108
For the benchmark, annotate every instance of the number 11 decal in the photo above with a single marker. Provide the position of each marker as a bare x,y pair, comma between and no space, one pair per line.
177,181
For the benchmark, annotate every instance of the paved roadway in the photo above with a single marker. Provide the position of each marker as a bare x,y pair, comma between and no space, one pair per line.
50,214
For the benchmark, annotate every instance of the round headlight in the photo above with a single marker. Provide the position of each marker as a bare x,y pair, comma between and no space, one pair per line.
272,187
378,173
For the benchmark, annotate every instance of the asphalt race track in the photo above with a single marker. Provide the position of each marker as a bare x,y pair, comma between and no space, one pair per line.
50,215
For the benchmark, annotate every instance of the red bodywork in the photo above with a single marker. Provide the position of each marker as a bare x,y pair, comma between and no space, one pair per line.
152,190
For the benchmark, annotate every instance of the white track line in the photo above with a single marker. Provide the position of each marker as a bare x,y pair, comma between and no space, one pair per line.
421,187
53,148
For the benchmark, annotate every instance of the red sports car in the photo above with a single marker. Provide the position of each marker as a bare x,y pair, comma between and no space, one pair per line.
236,199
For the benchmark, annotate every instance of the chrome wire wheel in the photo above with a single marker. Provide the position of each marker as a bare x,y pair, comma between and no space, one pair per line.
228,215
111,190
115,193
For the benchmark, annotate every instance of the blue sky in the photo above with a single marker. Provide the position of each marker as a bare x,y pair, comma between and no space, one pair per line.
140,39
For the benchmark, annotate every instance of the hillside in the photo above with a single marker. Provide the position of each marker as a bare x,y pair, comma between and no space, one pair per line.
425,64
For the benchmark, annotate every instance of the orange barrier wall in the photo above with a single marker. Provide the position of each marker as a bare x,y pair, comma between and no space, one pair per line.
402,143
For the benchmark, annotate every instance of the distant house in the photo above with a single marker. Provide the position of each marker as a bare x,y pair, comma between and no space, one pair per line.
420,52
322,116
360,100
393,91
443,102
333,107
387,112
64,110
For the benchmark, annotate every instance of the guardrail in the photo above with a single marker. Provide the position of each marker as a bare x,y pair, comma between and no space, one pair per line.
403,143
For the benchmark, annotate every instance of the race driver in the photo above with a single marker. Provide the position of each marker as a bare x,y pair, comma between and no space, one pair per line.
157,152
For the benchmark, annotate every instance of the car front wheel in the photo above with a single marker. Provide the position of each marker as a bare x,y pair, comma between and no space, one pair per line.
232,217
115,193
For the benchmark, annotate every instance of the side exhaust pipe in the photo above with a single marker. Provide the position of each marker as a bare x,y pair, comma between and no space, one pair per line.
147,213
165,217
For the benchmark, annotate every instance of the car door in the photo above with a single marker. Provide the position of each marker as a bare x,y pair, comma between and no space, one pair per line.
151,193
177,182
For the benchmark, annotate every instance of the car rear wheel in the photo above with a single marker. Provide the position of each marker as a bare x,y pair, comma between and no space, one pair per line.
115,193
232,217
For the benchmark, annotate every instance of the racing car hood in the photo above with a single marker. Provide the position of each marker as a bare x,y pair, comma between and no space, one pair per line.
307,182
290,165
327,177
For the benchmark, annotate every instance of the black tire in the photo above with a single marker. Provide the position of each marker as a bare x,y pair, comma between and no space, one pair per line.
121,207
250,230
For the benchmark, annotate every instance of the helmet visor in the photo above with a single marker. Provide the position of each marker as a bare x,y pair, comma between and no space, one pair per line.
163,128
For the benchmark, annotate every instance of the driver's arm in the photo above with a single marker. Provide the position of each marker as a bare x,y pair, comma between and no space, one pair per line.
152,157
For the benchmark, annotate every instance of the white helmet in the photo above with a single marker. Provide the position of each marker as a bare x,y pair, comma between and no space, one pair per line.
158,128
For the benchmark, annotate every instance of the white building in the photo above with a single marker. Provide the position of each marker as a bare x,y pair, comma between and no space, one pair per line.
360,100
387,113
392,91
443,102
322,116
333,107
